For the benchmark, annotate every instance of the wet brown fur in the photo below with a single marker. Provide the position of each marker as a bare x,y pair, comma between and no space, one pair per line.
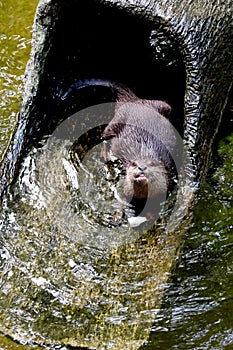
143,139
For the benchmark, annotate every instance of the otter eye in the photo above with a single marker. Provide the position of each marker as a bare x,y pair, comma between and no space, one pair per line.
133,164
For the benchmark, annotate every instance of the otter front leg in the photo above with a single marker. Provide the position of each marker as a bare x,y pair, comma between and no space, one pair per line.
104,153
118,216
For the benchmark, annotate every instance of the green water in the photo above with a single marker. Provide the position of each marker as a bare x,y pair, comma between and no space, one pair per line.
16,18
197,309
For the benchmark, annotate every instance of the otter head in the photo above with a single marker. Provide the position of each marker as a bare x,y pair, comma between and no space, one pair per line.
145,178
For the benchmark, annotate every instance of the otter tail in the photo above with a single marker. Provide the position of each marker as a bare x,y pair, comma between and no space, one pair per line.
123,93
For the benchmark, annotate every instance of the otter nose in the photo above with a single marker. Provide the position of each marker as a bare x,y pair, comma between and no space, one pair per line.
142,168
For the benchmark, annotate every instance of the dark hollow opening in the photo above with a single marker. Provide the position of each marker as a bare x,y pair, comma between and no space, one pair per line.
98,41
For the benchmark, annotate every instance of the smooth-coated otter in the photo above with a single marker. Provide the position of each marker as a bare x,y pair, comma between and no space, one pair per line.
143,139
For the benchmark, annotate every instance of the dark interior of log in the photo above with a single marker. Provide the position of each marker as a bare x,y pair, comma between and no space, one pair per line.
94,41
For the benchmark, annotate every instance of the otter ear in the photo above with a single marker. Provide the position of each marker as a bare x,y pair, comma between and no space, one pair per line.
112,130
161,107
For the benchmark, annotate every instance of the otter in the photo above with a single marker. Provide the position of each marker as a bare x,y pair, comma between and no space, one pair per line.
144,140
